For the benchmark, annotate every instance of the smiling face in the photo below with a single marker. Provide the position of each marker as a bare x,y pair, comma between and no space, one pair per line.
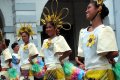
50,30
25,37
91,11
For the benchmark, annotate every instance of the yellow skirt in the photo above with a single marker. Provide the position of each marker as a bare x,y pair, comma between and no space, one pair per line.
99,75
56,74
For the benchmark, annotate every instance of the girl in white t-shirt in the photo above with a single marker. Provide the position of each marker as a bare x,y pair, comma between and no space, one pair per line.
5,60
54,50
15,57
97,44
28,52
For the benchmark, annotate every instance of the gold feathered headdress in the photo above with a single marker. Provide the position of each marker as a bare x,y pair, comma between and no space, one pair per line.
56,17
25,28
100,3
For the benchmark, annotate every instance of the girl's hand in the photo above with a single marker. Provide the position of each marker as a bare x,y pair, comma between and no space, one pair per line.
10,65
111,61
30,60
18,61
9,62
82,66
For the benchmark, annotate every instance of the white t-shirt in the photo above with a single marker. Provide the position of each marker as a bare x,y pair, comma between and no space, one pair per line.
16,66
58,44
103,41
16,55
31,50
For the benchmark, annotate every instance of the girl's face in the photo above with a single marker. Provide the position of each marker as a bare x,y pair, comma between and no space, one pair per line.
50,30
2,45
91,11
16,48
25,37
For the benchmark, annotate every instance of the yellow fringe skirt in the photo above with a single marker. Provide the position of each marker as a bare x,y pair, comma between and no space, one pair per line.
55,74
99,75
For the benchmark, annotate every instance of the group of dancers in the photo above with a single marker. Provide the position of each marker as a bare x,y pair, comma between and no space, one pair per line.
97,49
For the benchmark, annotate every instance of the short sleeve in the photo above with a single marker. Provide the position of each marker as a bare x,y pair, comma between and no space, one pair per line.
32,49
7,54
60,45
80,50
106,40
18,55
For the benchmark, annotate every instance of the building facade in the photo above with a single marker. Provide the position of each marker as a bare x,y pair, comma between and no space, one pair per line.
15,12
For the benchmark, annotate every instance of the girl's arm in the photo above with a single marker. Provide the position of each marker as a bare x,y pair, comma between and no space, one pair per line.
33,52
112,54
32,57
78,61
9,62
65,54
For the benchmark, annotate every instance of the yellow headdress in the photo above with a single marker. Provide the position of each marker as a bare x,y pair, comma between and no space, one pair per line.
100,3
25,28
56,17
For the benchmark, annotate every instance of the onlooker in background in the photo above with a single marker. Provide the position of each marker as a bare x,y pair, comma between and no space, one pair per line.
15,57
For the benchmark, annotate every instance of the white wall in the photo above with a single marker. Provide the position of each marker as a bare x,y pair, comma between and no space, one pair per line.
29,11
110,19
10,15
39,7
6,8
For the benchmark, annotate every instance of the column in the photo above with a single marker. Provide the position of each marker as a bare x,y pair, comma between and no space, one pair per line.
117,22
110,19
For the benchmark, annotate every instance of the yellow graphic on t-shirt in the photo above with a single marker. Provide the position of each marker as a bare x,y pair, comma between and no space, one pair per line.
91,40
47,44
25,47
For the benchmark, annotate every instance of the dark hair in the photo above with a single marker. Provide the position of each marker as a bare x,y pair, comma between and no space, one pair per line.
104,11
7,42
13,45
